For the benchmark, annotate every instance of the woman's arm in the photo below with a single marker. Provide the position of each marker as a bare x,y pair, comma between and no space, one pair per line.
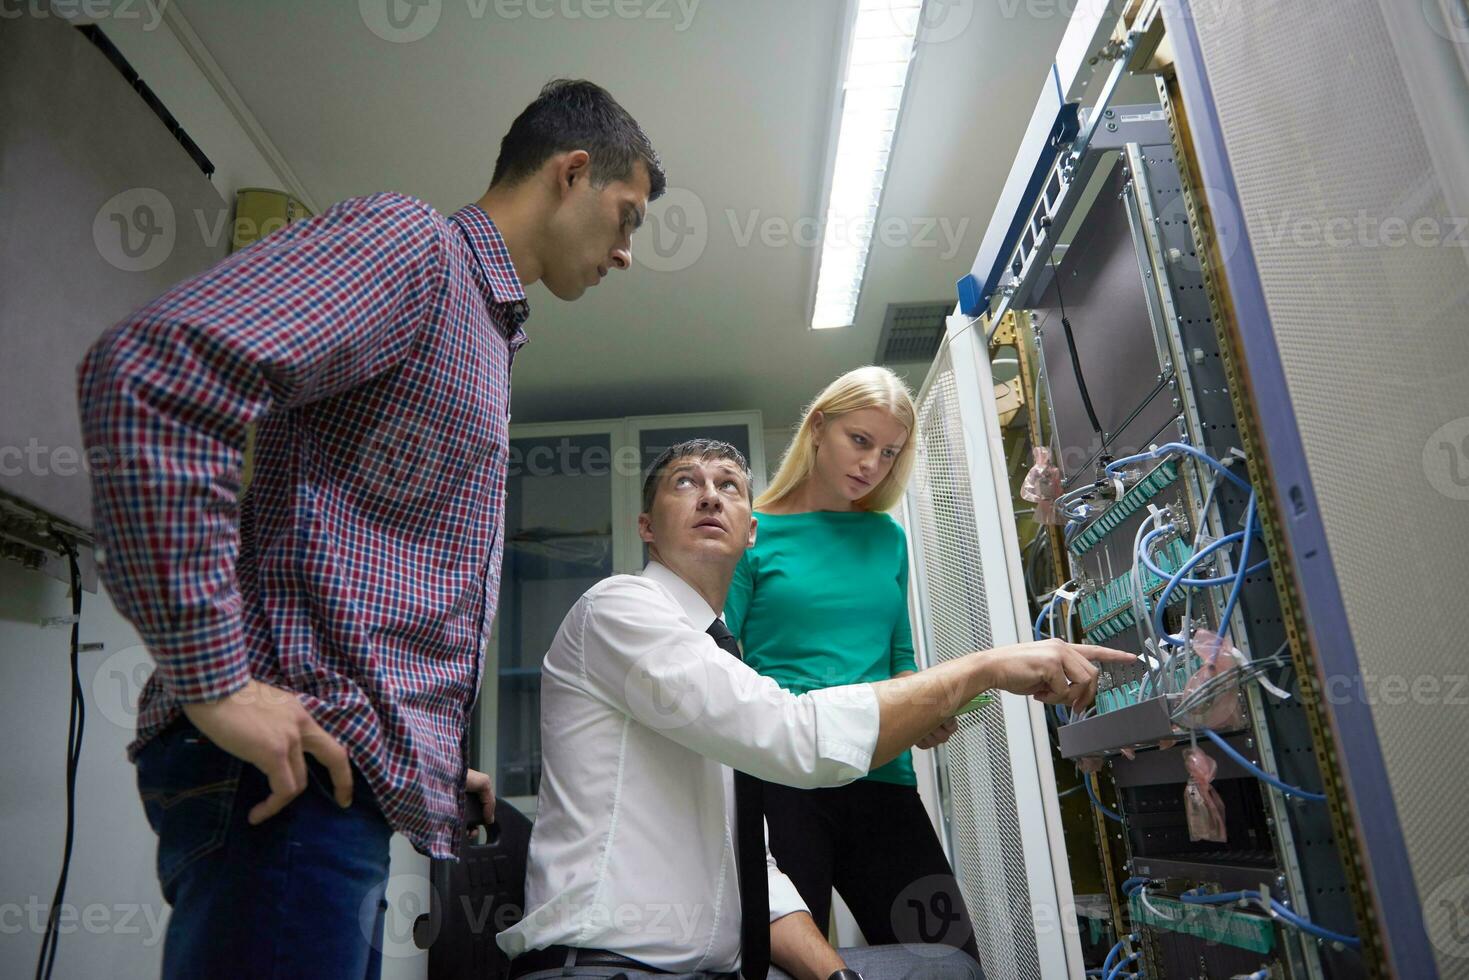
901,657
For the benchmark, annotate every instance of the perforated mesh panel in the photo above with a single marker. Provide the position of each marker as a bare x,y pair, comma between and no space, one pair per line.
980,800
1372,326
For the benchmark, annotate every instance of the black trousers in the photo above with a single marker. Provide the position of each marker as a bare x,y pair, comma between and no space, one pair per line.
874,843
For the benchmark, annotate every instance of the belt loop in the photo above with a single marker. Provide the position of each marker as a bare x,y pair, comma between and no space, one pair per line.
570,963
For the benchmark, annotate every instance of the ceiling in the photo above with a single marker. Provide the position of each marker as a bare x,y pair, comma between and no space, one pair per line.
737,95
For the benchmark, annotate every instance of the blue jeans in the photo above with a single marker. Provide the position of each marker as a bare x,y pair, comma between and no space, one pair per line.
301,895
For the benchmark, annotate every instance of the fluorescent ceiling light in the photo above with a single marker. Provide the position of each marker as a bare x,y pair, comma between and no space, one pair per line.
872,94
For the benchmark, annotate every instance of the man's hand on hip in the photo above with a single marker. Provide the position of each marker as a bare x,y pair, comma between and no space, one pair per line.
268,728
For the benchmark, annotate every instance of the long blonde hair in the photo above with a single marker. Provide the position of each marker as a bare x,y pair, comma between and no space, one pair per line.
865,387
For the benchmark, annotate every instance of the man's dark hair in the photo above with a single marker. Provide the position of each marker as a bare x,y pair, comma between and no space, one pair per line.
704,450
573,114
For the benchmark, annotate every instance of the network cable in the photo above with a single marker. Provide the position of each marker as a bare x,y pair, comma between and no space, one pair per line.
1091,793
1198,556
1116,950
1275,909
1257,772
1044,613
1144,554
1116,971
76,725
1253,670
1142,896
1227,616
1159,452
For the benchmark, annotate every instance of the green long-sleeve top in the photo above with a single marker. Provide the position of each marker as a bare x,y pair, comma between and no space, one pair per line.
822,600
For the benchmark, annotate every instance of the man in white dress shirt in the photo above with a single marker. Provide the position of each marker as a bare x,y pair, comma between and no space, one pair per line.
633,860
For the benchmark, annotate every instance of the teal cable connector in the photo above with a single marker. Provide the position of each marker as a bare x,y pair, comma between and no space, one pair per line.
1129,504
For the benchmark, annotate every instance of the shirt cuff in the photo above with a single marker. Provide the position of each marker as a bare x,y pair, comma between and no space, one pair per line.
846,727
784,899
204,664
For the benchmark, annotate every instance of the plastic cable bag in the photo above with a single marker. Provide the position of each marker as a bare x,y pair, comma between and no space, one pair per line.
1042,486
1219,707
1201,802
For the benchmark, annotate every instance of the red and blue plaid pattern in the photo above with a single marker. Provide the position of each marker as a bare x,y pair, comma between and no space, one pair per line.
373,346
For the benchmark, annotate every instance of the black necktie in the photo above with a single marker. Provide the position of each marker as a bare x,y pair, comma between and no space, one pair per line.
749,852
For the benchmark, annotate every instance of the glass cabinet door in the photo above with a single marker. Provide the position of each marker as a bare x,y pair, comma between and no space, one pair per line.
572,497
559,529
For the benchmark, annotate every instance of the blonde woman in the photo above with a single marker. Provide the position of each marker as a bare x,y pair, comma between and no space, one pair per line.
822,600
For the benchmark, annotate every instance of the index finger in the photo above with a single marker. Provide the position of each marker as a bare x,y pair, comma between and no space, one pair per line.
1104,654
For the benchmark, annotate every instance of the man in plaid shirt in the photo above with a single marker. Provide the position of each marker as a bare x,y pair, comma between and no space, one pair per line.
319,644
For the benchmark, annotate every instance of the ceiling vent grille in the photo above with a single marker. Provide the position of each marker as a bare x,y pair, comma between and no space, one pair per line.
912,332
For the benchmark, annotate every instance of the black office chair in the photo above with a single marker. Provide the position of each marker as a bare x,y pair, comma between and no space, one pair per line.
475,898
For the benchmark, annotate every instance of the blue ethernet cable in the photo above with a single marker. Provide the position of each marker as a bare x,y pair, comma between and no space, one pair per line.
1257,772
1091,792
1116,970
1045,612
1194,583
1115,950
1277,910
1195,897
1179,447
1311,928
1133,883
1244,561
1180,575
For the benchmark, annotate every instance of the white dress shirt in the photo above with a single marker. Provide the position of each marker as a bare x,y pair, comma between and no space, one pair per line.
642,716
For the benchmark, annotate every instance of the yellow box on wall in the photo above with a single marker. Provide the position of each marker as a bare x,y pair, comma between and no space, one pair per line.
260,211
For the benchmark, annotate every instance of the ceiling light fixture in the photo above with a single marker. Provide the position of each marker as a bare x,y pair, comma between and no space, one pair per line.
881,53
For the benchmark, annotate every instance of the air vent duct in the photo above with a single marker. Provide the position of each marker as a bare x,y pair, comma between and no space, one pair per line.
911,332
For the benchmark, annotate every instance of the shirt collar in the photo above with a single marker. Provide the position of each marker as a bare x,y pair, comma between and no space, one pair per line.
689,600
492,256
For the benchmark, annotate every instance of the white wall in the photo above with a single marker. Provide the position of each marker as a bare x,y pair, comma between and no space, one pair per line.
115,929
115,926
146,40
